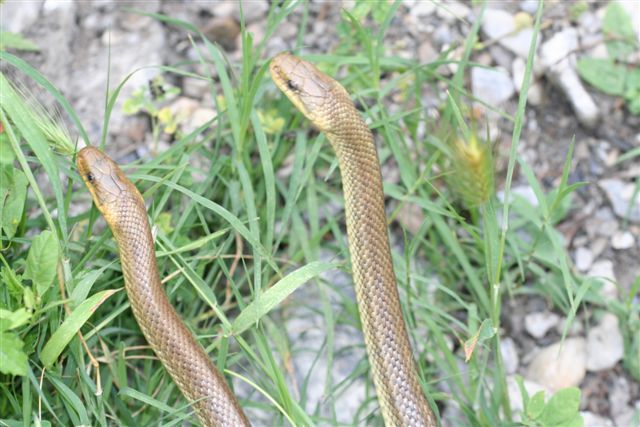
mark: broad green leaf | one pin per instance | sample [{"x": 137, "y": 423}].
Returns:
[
  {"x": 603, "y": 74},
  {"x": 13, "y": 360},
  {"x": 536, "y": 405},
  {"x": 278, "y": 292},
  {"x": 12, "y": 198},
  {"x": 576, "y": 421},
  {"x": 42, "y": 261},
  {"x": 12, "y": 319},
  {"x": 71, "y": 325},
  {"x": 562, "y": 407},
  {"x": 6, "y": 152},
  {"x": 617, "y": 25}
]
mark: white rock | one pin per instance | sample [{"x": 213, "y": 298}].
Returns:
[
  {"x": 422, "y": 8},
  {"x": 560, "y": 365},
  {"x": 509, "y": 355},
  {"x": 538, "y": 324},
  {"x": 583, "y": 259},
  {"x": 565, "y": 77},
  {"x": 199, "y": 117},
  {"x": 500, "y": 25},
  {"x": 558, "y": 47},
  {"x": 604, "y": 270},
  {"x": 18, "y": 16},
  {"x": 605, "y": 346},
  {"x": 521, "y": 191},
  {"x": 622, "y": 240},
  {"x": 619, "y": 194},
  {"x": 253, "y": 10},
  {"x": 493, "y": 86},
  {"x": 592, "y": 420},
  {"x": 529, "y": 6},
  {"x": 452, "y": 10}
]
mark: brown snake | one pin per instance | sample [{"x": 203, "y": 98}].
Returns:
[
  {"x": 123, "y": 208},
  {"x": 328, "y": 105}
]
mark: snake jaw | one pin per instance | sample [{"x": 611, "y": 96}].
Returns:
[{"x": 305, "y": 86}]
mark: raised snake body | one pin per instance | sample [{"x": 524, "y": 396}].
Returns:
[
  {"x": 327, "y": 104},
  {"x": 123, "y": 208}
]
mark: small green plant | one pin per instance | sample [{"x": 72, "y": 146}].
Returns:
[
  {"x": 16, "y": 42},
  {"x": 151, "y": 99},
  {"x": 614, "y": 75},
  {"x": 561, "y": 410}
]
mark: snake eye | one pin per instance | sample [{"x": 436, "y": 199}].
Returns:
[
  {"x": 291, "y": 85},
  {"x": 90, "y": 177}
]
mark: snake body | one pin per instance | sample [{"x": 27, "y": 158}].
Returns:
[
  {"x": 123, "y": 208},
  {"x": 328, "y": 106}
]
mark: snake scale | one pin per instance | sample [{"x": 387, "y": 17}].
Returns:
[{"x": 328, "y": 106}]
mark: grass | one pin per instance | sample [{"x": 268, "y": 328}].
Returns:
[{"x": 236, "y": 238}]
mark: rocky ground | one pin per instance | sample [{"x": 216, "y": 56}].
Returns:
[{"x": 602, "y": 230}]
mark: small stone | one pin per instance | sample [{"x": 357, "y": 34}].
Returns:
[
  {"x": 605, "y": 346},
  {"x": 411, "y": 217},
  {"x": 253, "y": 11},
  {"x": 18, "y": 16},
  {"x": 501, "y": 25},
  {"x": 183, "y": 106},
  {"x": 194, "y": 87},
  {"x": 583, "y": 259},
  {"x": 566, "y": 78},
  {"x": 558, "y": 47},
  {"x": 198, "y": 118},
  {"x": 592, "y": 420},
  {"x": 560, "y": 365},
  {"x": 223, "y": 30},
  {"x": 452, "y": 10},
  {"x": 537, "y": 324},
  {"x": 523, "y": 192},
  {"x": 529, "y": 6},
  {"x": 509, "y": 355},
  {"x": 604, "y": 270},
  {"x": 619, "y": 194},
  {"x": 622, "y": 240},
  {"x": 422, "y": 8},
  {"x": 493, "y": 86}
]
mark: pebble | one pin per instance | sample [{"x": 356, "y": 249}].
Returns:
[
  {"x": 619, "y": 194},
  {"x": 622, "y": 240},
  {"x": 493, "y": 86},
  {"x": 583, "y": 259},
  {"x": 451, "y": 10},
  {"x": 603, "y": 269},
  {"x": 411, "y": 217},
  {"x": 422, "y": 8},
  {"x": 253, "y": 10},
  {"x": 223, "y": 30},
  {"x": 199, "y": 117},
  {"x": 539, "y": 323},
  {"x": 17, "y": 17},
  {"x": 498, "y": 23},
  {"x": 557, "y": 57},
  {"x": 560, "y": 365},
  {"x": 509, "y": 355},
  {"x": 529, "y": 6},
  {"x": 521, "y": 191},
  {"x": 193, "y": 87},
  {"x": 605, "y": 346}
]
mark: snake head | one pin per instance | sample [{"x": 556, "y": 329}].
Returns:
[
  {"x": 309, "y": 89},
  {"x": 104, "y": 179}
]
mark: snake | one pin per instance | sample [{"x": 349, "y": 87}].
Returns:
[
  {"x": 124, "y": 211},
  {"x": 328, "y": 106}
]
